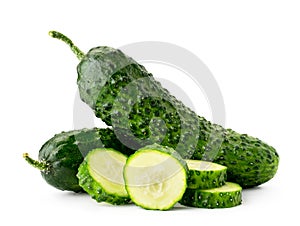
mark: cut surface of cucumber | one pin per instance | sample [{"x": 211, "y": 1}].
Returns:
[
  {"x": 229, "y": 195},
  {"x": 205, "y": 175},
  {"x": 155, "y": 177},
  {"x": 101, "y": 176}
]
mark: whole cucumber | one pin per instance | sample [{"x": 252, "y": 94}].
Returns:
[
  {"x": 60, "y": 157},
  {"x": 127, "y": 97}
]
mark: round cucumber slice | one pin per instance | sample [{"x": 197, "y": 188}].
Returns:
[
  {"x": 101, "y": 176},
  {"x": 155, "y": 177},
  {"x": 229, "y": 195},
  {"x": 204, "y": 175}
]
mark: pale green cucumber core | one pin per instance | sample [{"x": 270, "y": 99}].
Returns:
[
  {"x": 106, "y": 167},
  {"x": 154, "y": 179},
  {"x": 227, "y": 187},
  {"x": 204, "y": 165}
]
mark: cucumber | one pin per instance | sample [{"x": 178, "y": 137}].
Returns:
[
  {"x": 101, "y": 176},
  {"x": 60, "y": 157},
  {"x": 141, "y": 112},
  {"x": 229, "y": 195},
  {"x": 205, "y": 175},
  {"x": 155, "y": 177}
]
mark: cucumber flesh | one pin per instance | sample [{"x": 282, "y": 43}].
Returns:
[
  {"x": 229, "y": 195},
  {"x": 155, "y": 177},
  {"x": 205, "y": 175},
  {"x": 101, "y": 176}
]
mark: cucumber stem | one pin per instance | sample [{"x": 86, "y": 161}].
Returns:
[
  {"x": 65, "y": 39},
  {"x": 42, "y": 166}
]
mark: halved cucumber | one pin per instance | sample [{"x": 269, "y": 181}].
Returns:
[
  {"x": 228, "y": 195},
  {"x": 101, "y": 176},
  {"x": 204, "y": 175},
  {"x": 155, "y": 177}
]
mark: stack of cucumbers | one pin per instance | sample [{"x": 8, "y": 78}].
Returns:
[{"x": 156, "y": 152}]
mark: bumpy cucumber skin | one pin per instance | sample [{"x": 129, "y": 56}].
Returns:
[
  {"x": 104, "y": 76},
  {"x": 93, "y": 188},
  {"x": 250, "y": 162},
  {"x": 65, "y": 152},
  {"x": 206, "y": 199},
  {"x": 166, "y": 150},
  {"x": 206, "y": 179}
]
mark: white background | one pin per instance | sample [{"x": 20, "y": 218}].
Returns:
[{"x": 251, "y": 47}]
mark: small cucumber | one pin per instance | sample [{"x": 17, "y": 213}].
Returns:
[
  {"x": 229, "y": 195},
  {"x": 155, "y": 177},
  {"x": 101, "y": 176},
  {"x": 205, "y": 175},
  {"x": 60, "y": 157}
]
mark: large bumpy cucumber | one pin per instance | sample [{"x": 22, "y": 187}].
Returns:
[
  {"x": 101, "y": 176},
  {"x": 60, "y": 157},
  {"x": 155, "y": 177},
  {"x": 125, "y": 96}
]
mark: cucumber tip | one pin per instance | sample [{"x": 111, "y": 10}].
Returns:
[{"x": 51, "y": 33}]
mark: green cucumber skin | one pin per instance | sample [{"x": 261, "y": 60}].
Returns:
[
  {"x": 249, "y": 161},
  {"x": 206, "y": 180},
  {"x": 202, "y": 199},
  {"x": 93, "y": 188},
  {"x": 65, "y": 152},
  {"x": 104, "y": 72}
]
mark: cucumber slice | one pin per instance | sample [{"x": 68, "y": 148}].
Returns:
[
  {"x": 228, "y": 195},
  {"x": 205, "y": 175},
  {"x": 155, "y": 177},
  {"x": 101, "y": 176}
]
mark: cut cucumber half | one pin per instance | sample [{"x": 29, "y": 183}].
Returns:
[
  {"x": 205, "y": 175},
  {"x": 229, "y": 195},
  {"x": 155, "y": 177},
  {"x": 101, "y": 176}
]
